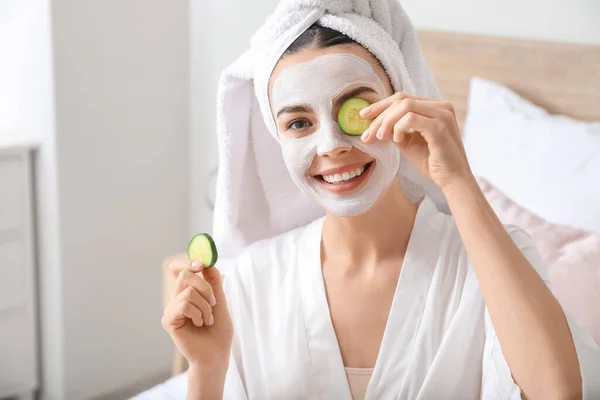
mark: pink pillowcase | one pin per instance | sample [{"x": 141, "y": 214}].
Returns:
[{"x": 572, "y": 257}]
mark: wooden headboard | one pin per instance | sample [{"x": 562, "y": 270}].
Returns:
[{"x": 561, "y": 77}]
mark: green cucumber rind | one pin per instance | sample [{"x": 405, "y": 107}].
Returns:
[{"x": 213, "y": 249}]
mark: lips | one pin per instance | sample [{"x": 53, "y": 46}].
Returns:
[
  {"x": 350, "y": 179},
  {"x": 344, "y": 177}
]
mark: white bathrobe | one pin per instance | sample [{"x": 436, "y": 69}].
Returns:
[{"x": 439, "y": 342}]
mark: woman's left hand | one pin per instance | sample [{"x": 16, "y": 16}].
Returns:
[{"x": 426, "y": 132}]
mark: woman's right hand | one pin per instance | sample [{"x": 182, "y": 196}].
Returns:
[{"x": 197, "y": 318}]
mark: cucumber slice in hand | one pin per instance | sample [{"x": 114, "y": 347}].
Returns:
[
  {"x": 202, "y": 248},
  {"x": 349, "y": 118}
]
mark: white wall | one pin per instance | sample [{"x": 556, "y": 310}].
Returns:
[
  {"x": 218, "y": 40},
  {"x": 122, "y": 130},
  {"x": 27, "y": 114},
  {"x": 23, "y": 60},
  {"x": 16, "y": 30}
]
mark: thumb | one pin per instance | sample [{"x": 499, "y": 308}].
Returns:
[{"x": 416, "y": 150}]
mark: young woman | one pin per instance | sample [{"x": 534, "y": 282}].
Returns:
[{"x": 384, "y": 297}]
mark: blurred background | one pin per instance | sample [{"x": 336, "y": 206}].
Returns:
[{"x": 107, "y": 125}]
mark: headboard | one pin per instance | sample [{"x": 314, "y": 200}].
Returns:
[{"x": 563, "y": 78}]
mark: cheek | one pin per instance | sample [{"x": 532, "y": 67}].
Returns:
[
  {"x": 298, "y": 154},
  {"x": 386, "y": 153},
  {"x": 314, "y": 166}
]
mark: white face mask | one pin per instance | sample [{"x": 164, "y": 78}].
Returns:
[{"x": 316, "y": 83}]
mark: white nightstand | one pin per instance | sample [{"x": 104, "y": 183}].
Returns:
[{"x": 18, "y": 307}]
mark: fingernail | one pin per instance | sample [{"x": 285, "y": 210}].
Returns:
[
  {"x": 211, "y": 320},
  {"x": 364, "y": 135},
  {"x": 196, "y": 265},
  {"x": 213, "y": 301},
  {"x": 365, "y": 111},
  {"x": 379, "y": 134}
]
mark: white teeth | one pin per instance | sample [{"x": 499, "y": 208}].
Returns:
[{"x": 341, "y": 178}]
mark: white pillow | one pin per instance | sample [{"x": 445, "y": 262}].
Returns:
[{"x": 549, "y": 164}]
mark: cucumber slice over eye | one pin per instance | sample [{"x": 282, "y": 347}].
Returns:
[
  {"x": 202, "y": 248},
  {"x": 349, "y": 118}
]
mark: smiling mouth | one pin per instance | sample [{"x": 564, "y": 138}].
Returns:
[{"x": 346, "y": 177}]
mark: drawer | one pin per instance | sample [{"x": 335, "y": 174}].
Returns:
[
  {"x": 17, "y": 349},
  {"x": 12, "y": 191},
  {"x": 15, "y": 289}
]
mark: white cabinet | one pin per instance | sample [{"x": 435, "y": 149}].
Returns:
[{"x": 18, "y": 307}]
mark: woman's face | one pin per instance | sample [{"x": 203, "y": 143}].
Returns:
[{"x": 306, "y": 92}]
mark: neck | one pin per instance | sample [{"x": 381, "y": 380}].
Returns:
[{"x": 376, "y": 235}]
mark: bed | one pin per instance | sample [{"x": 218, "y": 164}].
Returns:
[{"x": 561, "y": 77}]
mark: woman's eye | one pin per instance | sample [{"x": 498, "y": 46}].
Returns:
[{"x": 298, "y": 124}]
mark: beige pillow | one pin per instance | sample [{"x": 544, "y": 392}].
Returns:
[{"x": 572, "y": 257}]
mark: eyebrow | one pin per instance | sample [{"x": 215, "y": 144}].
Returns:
[
  {"x": 354, "y": 93},
  {"x": 294, "y": 109}
]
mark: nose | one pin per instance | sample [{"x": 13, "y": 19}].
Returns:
[
  {"x": 336, "y": 152},
  {"x": 333, "y": 142}
]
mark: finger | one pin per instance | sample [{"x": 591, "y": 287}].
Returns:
[
  {"x": 378, "y": 107},
  {"x": 178, "y": 265},
  {"x": 425, "y": 126},
  {"x": 401, "y": 108},
  {"x": 368, "y": 136},
  {"x": 214, "y": 278},
  {"x": 180, "y": 283},
  {"x": 399, "y": 134},
  {"x": 431, "y": 109},
  {"x": 374, "y": 129},
  {"x": 388, "y": 119},
  {"x": 192, "y": 312},
  {"x": 188, "y": 278},
  {"x": 382, "y": 126},
  {"x": 175, "y": 316},
  {"x": 192, "y": 296}
]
